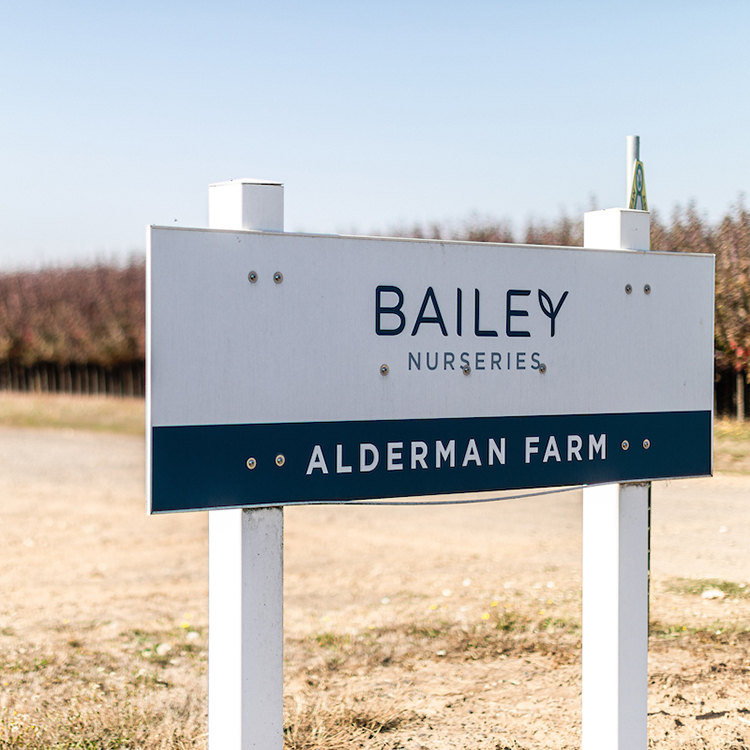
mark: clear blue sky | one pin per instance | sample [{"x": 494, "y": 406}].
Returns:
[{"x": 115, "y": 115}]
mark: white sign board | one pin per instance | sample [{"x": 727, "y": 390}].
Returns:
[{"x": 290, "y": 367}]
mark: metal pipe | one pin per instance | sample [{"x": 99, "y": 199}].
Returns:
[{"x": 632, "y": 155}]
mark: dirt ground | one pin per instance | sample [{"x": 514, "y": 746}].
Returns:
[{"x": 405, "y": 627}]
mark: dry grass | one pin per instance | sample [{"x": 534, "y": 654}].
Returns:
[
  {"x": 696, "y": 587},
  {"x": 86, "y": 687},
  {"x": 318, "y": 721},
  {"x": 498, "y": 633},
  {"x": 699, "y": 686},
  {"x": 60, "y": 700},
  {"x": 94, "y": 686},
  {"x": 93, "y": 413},
  {"x": 732, "y": 446},
  {"x": 361, "y": 689}
]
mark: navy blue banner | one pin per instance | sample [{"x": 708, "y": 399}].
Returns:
[{"x": 222, "y": 466}]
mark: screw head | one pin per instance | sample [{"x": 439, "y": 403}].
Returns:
[
  {"x": 280, "y": 460},
  {"x": 542, "y": 368},
  {"x": 278, "y": 277},
  {"x": 466, "y": 369},
  {"x": 646, "y": 443},
  {"x": 384, "y": 369},
  {"x": 624, "y": 445},
  {"x": 252, "y": 277},
  {"x": 647, "y": 289},
  {"x": 251, "y": 463},
  {"x": 628, "y": 288}
]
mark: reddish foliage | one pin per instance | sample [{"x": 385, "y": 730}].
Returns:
[
  {"x": 96, "y": 315},
  {"x": 91, "y": 315}
]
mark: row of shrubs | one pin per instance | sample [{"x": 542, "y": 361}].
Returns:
[
  {"x": 82, "y": 316},
  {"x": 58, "y": 323}
]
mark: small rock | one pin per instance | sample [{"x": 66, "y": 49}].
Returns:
[
  {"x": 163, "y": 649},
  {"x": 713, "y": 594}
]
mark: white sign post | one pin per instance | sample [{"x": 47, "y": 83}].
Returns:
[
  {"x": 246, "y": 560},
  {"x": 615, "y": 565}
]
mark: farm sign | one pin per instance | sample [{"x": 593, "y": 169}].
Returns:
[{"x": 295, "y": 368}]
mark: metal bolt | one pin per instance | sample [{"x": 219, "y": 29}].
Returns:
[
  {"x": 466, "y": 369},
  {"x": 252, "y": 277},
  {"x": 251, "y": 463},
  {"x": 542, "y": 368},
  {"x": 647, "y": 289},
  {"x": 280, "y": 460},
  {"x": 628, "y": 288},
  {"x": 646, "y": 443},
  {"x": 278, "y": 277},
  {"x": 383, "y": 369},
  {"x": 625, "y": 445}
]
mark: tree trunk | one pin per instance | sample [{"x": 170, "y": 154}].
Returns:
[{"x": 741, "y": 396}]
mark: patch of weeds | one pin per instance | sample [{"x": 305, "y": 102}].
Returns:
[
  {"x": 430, "y": 630},
  {"x": 332, "y": 640},
  {"x": 58, "y": 696},
  {"x": 24, "y": 661},
  {"x": 148, "y": 679},
  {"x": 144, "y": 678},
  {"x": 334, "y": 663},
  {"x": 559, "y": 624},
  {"x": 722, "y": 634},
  {"x": 377, "y": 714},
  {"x": 659, "y": 629},
  {"x": 696, "y": 586},
  {"x": 509, "y": 633},
  {"x": 509, "y": 622},
  {"x": 162, "y": 647},
  {"x": 716, "y": 633}
]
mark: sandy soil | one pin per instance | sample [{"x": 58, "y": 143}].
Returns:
[{"x": 77, "y": 552}]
